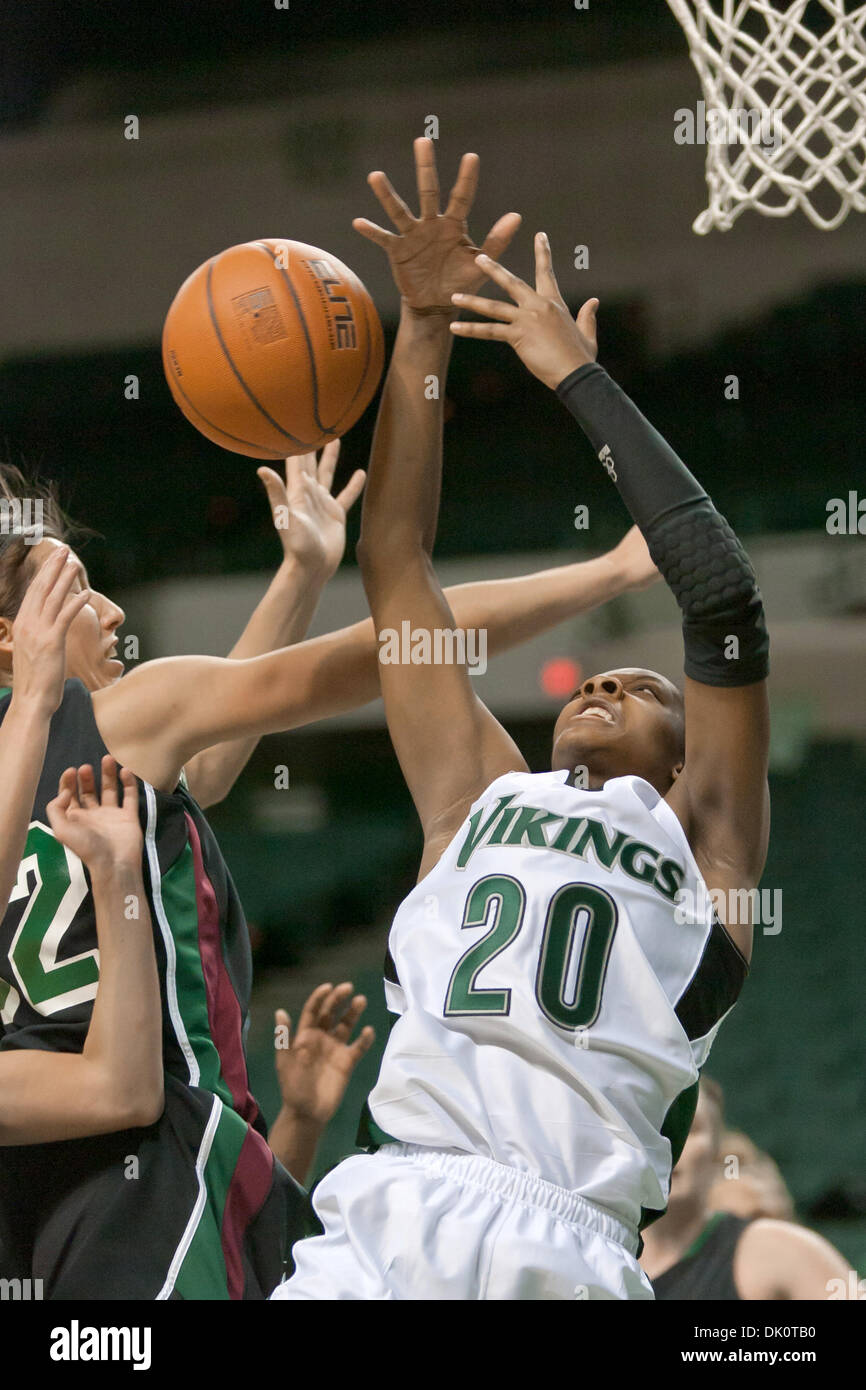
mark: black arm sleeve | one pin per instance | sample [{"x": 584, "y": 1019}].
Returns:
[{"x": 696, "y": 551}]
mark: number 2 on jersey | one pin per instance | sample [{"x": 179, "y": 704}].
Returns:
[
  {"x": 570, "y": 998},
  {"x": 59, "y": 888}
]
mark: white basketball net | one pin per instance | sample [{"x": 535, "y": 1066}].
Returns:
[{"x": 785, "y": 117}]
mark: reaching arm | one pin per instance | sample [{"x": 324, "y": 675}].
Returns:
[
  {"x": 214, "y": 699},
  {"x": 311, "y": 525},
  {"x": 448, "y": 744},
  {"x": 721, "y": 795},
  {"x": 313, "y": 1069},
  {"x": 116, "y": 1083}
]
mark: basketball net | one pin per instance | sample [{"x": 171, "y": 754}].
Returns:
[{"x": 785, "y": 119}]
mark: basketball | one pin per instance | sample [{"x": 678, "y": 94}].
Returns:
[{"x": 272, "y": 348}]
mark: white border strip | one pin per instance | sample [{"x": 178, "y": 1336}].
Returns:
[
  {"x": 182, "y": 1250},
  {"x": 168, "y": 939}
]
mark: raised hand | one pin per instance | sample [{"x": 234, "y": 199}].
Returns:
[
  {"x": 633, "y": 561},
  {"x": 40, "y": 627},
  {"x": 538, "y": 324},
  {"x": 104, "y": 833},
  {"x": 315, "y": 535},
  {"x": 314, "y": 1068},
  {"x": 433, "y": 256}
]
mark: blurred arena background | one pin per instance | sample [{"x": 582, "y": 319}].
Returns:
[{"x": 258, "y": 121}]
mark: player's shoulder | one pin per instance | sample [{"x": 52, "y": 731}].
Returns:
[
  {"x": 770, "y": 1251},
  {"x": 772, "y": 1237}
]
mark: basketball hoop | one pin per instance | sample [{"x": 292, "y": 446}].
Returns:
[{"x": 785, "y": 83}]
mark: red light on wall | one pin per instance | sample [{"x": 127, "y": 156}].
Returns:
[{"x": 559, "y": 677}]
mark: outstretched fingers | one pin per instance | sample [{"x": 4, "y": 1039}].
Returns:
[
  {"x": 501, "y": 235},
  {"x": 545, "y": 279},
  {"x": 334, "y": 1007},
  {"x": 310, "y": 1012},
  {"x": 46, "y": 577},
  {"x": 87, "y": 787},
  {"x": 500, "y": 311},
  {"x": 518, "y": 289},
  {"x": 72, "y": 608},
  {"x": 130, "y": 793},
  {"x": 587, "y": 321},
  {"x": 373, "y": 233},
  {"x": 60, "y": 582},
  {"x": 344, "y": 1028},
  {"x": 352, "y": 491},
  {"x": 427, "y": 177},
  {"x": 391, "y": 201},
  {"x": 109, "y": 781},
  {"x": 328, "y": 463},
  {"x": 491, "y": 308},
  {"x": 494, "y": 332},
  {"x": 465, "y": 187},
  {"x": 67, "y": 789},
  {"x": 362, "y": 1044}
]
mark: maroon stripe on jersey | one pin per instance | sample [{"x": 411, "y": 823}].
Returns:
[
  {"x": 223, "y": 1008},
  {"x": 248, "y": 1190}
]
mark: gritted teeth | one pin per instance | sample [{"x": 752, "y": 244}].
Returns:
[{"x": 596, "y": 712}]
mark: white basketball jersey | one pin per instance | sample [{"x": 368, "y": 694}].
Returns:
[{"x": 554, "y": 1010}]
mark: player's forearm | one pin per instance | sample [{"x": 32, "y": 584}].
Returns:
[
  {"x": 49, "y": 1096},
  {"x": 285, "y": 612},
  {"x": 23, "y": 740},
  {"x": 339, "y": 672},
  {"x": 117, "y": 1081},
  {"x": 513, "y": 611},
  {"x": 281, "y": 618},
  {"x": 695, "y": 549},
  {"x": 401, "y": 502},
  {"x": 124, "y": 1040},
  {"x": 294, "y": 1139},
  {"x": 326, "y": 676}
]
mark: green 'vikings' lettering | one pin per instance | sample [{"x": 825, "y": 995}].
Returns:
[
  {"x": 669, "y": 878},
  {"x": 605, "y": 850},
  {"x": 476, "y": 834},
  {"x": 528, "y": 825},
  {"x": 524, "y": 826},
  {"x": 498, "y": 833},
  {"x": 569, "y": 829},
  {"x": 628, "y": 858}
]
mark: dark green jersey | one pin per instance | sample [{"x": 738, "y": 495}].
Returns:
[{"x": 49, "y": 967}]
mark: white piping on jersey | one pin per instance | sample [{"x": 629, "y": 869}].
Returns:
[
  {"x": 186, "y": 1239},
  {"x": 168, "y": 940}
]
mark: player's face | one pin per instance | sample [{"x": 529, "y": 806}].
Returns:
[
  {"x": 622, "y": 722},
  {"x": 91, "y": 643}
]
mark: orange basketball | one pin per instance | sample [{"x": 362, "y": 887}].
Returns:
[{"x": 272, "y": 348}]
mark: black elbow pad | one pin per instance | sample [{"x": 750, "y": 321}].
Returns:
[{"x": 724, "y": 632}]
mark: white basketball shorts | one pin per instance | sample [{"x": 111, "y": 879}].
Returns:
[{"x": 416, "y": 1223}]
